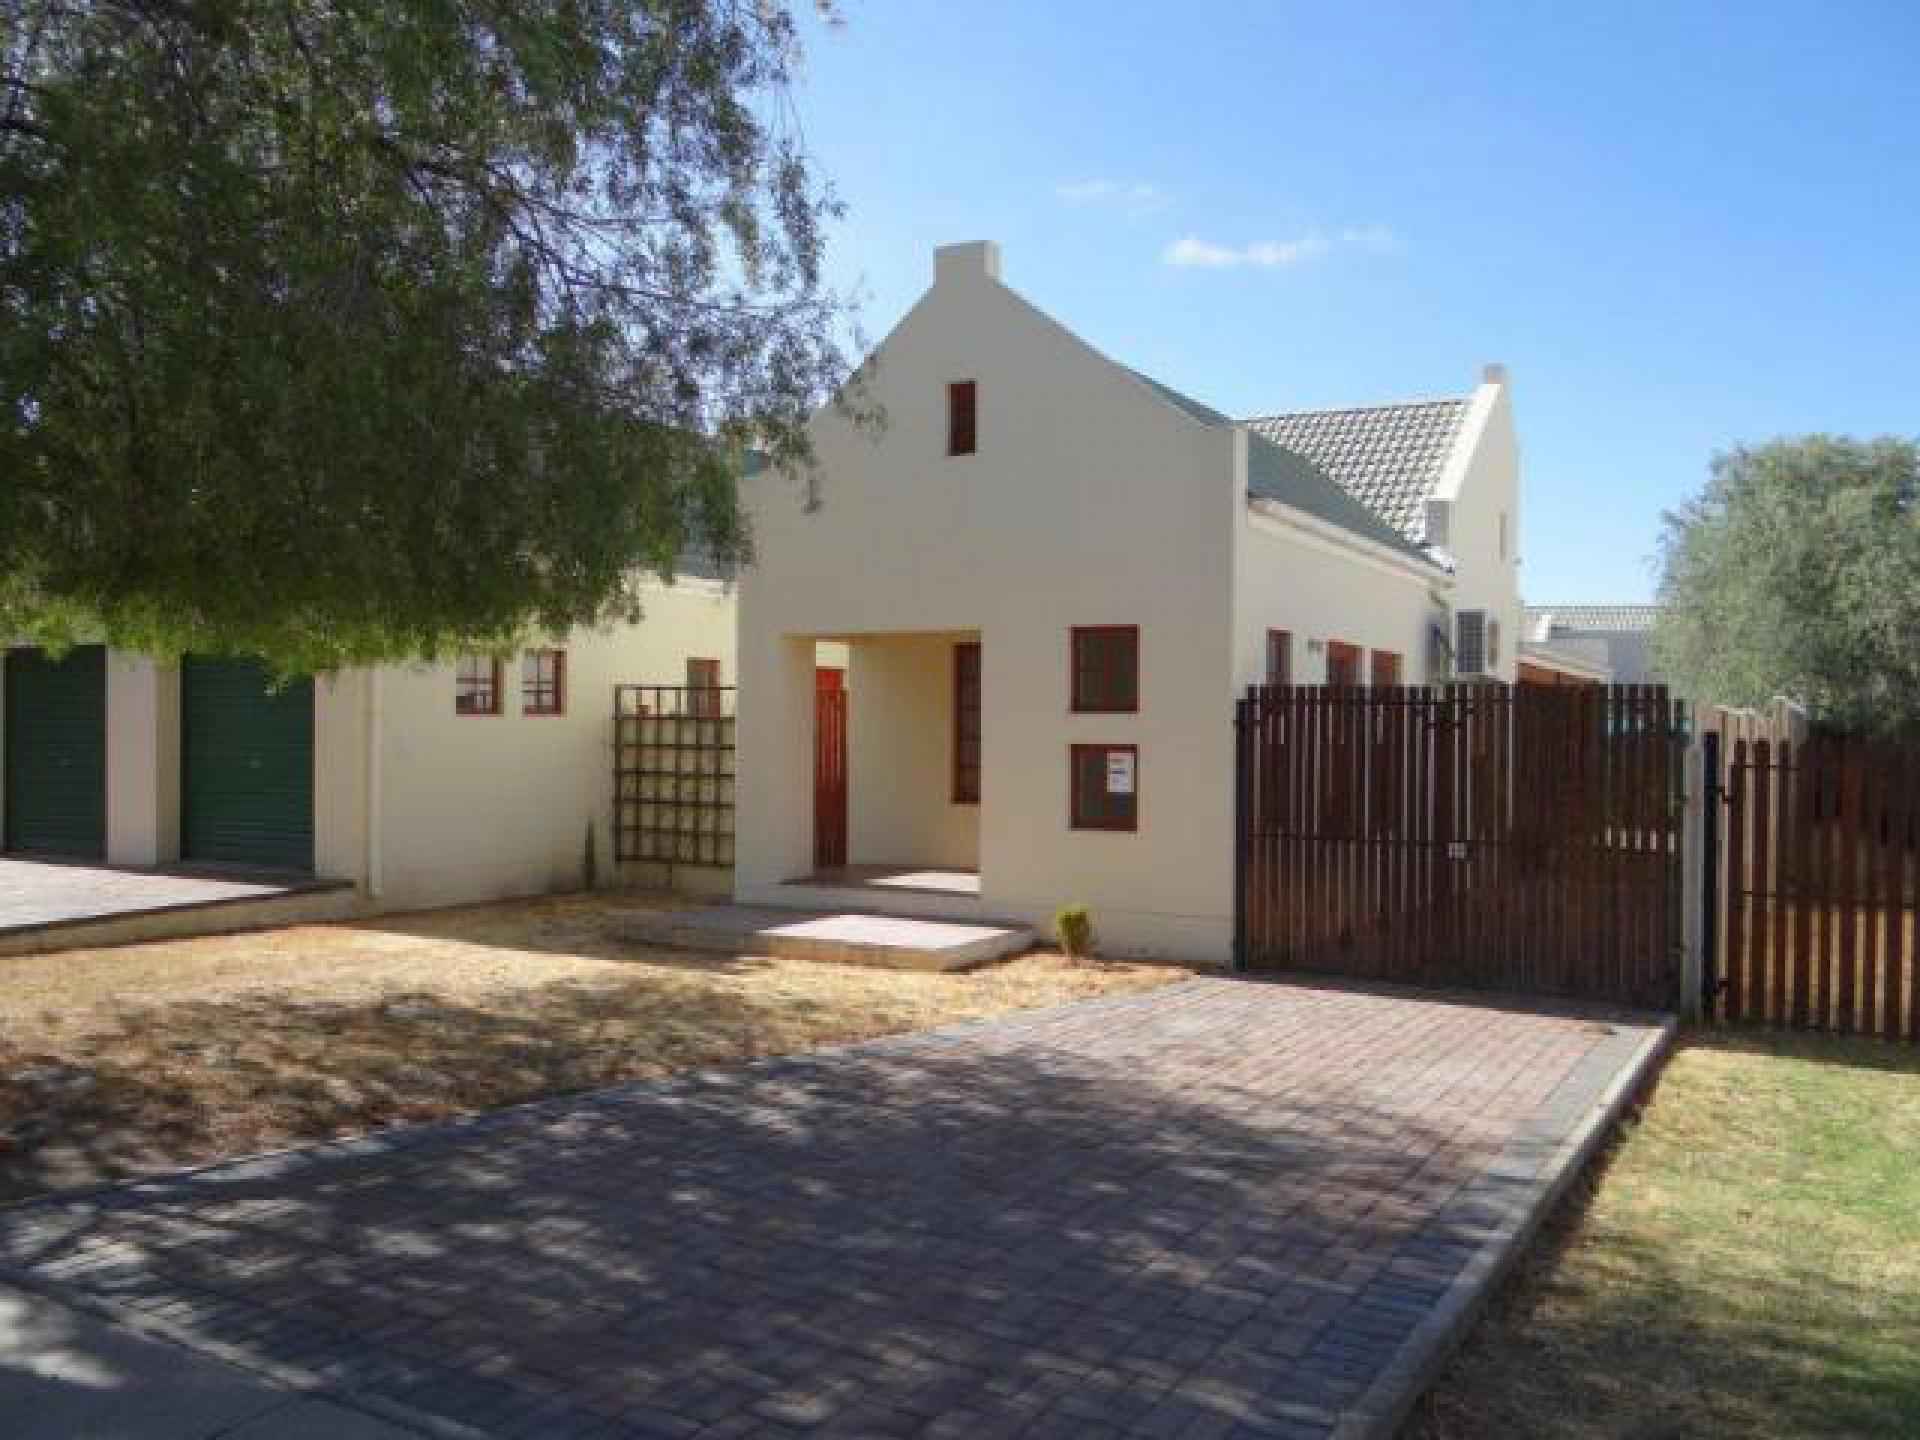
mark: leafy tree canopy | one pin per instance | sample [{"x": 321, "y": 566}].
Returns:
[
  {"x": 347, "y": 330},
  {"x": 1797, "y": 573}
]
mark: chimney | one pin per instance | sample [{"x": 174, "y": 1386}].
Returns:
[
  {"x": 1493, "y": 373},
  {"x": 973, "y": 259}
]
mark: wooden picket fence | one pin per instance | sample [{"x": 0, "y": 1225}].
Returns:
[
  {"x": 1818, "y": 881},
  {"x": 1518, "y": 838}
]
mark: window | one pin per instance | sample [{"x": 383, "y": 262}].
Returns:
[
  {"x": 1279, "y": 657},
  {"x": 1106, "y": 669},
  {"x": 963, "y": 417},
  {"x": 966, "y": 723},
  {"x": 1386, "y": 668},
  {"x": 476, "y": 685},
  {"x": 1105, "y": 787},
  {"x": 1343, "y": 663},
  {"x": 1503, "y": 534},
  {"x": 543, "y": 682},
  {"x": 703, "y": 686}
]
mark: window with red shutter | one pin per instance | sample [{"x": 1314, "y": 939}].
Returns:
[
  {"x": 1106, "y": 669},
  {"x": 966, "y": 723},
  {"x": 963, "y": 417}
]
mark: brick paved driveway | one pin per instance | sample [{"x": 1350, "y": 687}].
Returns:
[{"x": 1217, "y": 1209}]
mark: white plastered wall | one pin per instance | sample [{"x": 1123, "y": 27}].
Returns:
[
  {"x": 900, "y": 806},
  {"x": 1318, "y": 589},
  {"x": 1091, "y": 501},
  {"x": 474, "y": 807},
  {"x": 1479, "y": 485},
  {"x": 143, "y": 760}
]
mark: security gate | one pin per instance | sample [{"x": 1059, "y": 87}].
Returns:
[{"x": 1520, "y": 838}]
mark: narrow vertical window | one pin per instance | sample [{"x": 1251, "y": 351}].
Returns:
[
  {"x": 543, "y": 682},
  {"x": 476, "y": 685},
  {"x": 1279, "y": 657},
  {"x": 1386, "y": 668},
  {"x": 1106, "y": 669},
  {"x": 966, "y": 723},
  {"x": 703, "y": 686},
  {"x": 963, "y": 416}
]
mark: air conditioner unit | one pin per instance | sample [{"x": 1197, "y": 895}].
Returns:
[{"x": 1476, "y": 645}]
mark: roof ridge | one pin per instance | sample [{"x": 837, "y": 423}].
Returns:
[
  {"x": 1594, "y": 605},
  {"x": 1421, "y": 404}
]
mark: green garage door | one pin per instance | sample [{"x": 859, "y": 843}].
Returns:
[
  {"x": 246, "y": 766},
  {"x": 55, "y": 793}
]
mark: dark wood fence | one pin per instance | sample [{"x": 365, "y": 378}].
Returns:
[
  {"x": 1819, "y": 878},
  {"x": 673, "y": 748},
  {"x": 1520, "y": 838}
]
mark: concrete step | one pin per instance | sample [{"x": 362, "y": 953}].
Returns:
[{"x": 844, "y": 936}]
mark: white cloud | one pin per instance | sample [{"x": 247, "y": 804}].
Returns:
[
  {"x": 1126, "y": 197},
  {"x": 1190, "y": 252}
]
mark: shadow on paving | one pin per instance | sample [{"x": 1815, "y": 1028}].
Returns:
[
  {"x": 189, "y": 1081},
  {"x": 943, "y": 1234}
]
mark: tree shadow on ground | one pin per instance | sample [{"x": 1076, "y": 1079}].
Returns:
[
  {"x": 584, "y": 925},
  {"x": 1155, "y": 1225},
  {"x": 173, "y": 1084}
]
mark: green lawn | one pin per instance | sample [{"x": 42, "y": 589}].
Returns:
[{"x": 1746, "y": 1264}]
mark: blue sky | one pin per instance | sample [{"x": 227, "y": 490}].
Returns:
[{"x": 1680, "y": 227}]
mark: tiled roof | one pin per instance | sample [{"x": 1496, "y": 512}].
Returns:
[
  {"x": 1275, "y": 472},
  {"x": 1552, "y": 619},
  {"x": 1388, "y": 457}
]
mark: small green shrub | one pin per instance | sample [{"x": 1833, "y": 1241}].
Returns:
[{"x": 1073, "y": 928}]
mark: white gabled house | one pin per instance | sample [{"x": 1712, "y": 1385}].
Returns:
[{"x": 1052, "y": 576}]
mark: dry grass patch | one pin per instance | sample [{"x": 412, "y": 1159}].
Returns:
[
  {"x": 1747, "y": 1264},
  {"x": 154, "y": 1056}
]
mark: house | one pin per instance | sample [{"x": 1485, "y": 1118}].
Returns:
[
  {"x": 1052, "y": 576},
  {"x": 420, "y": 784},
  {"x": 1612, "y": 642}
]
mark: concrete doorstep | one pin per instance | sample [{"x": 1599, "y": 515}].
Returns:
[{"x": 846, "y": 937}]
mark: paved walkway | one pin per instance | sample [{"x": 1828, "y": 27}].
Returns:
[{"x": 1226, "y": 1208}]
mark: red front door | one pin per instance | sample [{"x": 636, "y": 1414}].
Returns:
[{"x": 829, "y": 768}]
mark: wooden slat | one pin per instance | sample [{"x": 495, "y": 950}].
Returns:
[
  {"x": 1805, "y": 781},
  {"x": 1760, "y": 881},
  {"x": 1740, "y": 784},
  {"x": 1844, "y": 903},
  {"x": 1907, "y": 887},
  {"x": 1875, "y": 767},
  {"x": 1780, "y": 955},
  {"x": 1897, "y": 961}
]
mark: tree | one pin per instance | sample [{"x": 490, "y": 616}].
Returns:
[
  {"x": 1797, "y": 572},
  {"x": 342, "y": 331}
]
